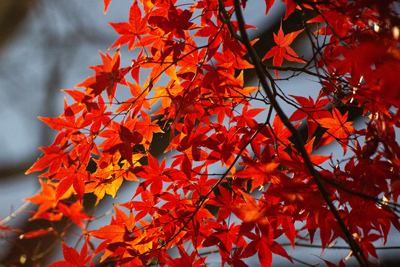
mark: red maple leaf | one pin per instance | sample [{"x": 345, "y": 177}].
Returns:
[
  {"x": 72, "y": 176},
  {"x": 155, "y": 174},
  {"x": 311, "y": 110},
  {"x": 107, "y": 76},
  {"x": 121, "y": 138},
  {"x": 147, "y": 128},
  {"x": 136, "y": 27},
  {"x": 121, "y": 229},
  {"x": 338, "y": 128},
  {"x": 265, "y": 246},
  {"x": 53, "y": 158},
  {"x": 282, "y": 49},
  {"x": 173, "y": 20},
  {"x": 74, "y": 213},
  {"x": 72, "y": 257},
  {"x": 98, "y": 117},
  {"x": 224, "y": 236},
  {"x": 253, "y": 213},
  {"x": 81, "y": 98},
  {"x": 260, "y": 172},
  {"x": 137, "y": 101},
  {"x": 146, "y": 206},
  {"x": 185, "y": 260}
]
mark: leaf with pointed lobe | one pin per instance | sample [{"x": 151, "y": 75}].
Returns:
[
  {"x": 53, "y": 158},
  {"x": 228, "y": 60},
  {"x": 224, "y": 201},
  {"x": 136, "y": 27},
  {"x": 339, "y": 22},
  {"x": 107, "y": 77},
  {"x": 296, "y": 164},
  {"x": 74, "y": 213},
  {"x": 210, "y": 30},
  {"x": 281, "y": 133},
  {"x": 310, "y": 110},
  {"x": 173, "y": 201},
  {"x": 247, "y": 116},
  {"x": 122, "y": 218},
  {"x": 224, "y": 237},
  {"x": 269, "y": 4},
  {"x": 72, "y": 176},
  {"x": 106, "y": 3},
  {"x": 282, "y": 49},
  {"x": 60, "y": 124},
  {"x": 308, "y": 107},
  {"x": 120, "y": 138},
  {"x": 46, "y": 199},
  {"x": 113, "y": 233},
  {"x": 138, "y": 101},
  {"x": 145, "y": 207},
  {"x": 252, "y": 213},
  {"x": 338, "y": 128},
  {"x": 155, "y": 174},
  {"x": 186, "y": 260},
  {"x": 147, "y": 128},
  {"x": 102, "y": 187},
  {"x": 259, "y": 173},
  {"x": 98, "y": 117},
  {"x": 321, "y": 218},
  {"x": 8, "y": 228},
  {"x": 82, "y": 98},
  {"x": 158, "y": 66},
  {"x": 72, "y": 257},
  {"x": 174, "y": 21},
  {"x": 290, "y": 7},
  {"x": 264, "y": 253}
]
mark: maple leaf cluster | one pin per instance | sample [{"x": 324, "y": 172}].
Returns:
[{"x": 270, "y": 179}]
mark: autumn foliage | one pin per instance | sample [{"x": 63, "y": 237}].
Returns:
[{"x": 269, "y": 176}]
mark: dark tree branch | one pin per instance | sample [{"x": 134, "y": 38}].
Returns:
[{"x": 357, "y": 251}]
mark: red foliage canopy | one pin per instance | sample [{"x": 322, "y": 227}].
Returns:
[{"x": 206, "y": 113}]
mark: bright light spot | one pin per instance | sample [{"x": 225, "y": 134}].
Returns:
[{"x": 396, "y": 32}]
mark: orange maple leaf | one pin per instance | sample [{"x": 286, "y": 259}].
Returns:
[
  {"x": 46, "y": 199},
  {"x": 103, "y": 186}
]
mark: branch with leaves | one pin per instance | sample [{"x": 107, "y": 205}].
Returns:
[{"x": 198, "y": 96}]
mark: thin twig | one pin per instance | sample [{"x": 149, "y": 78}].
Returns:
[{"x": 19, "y": 210}]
